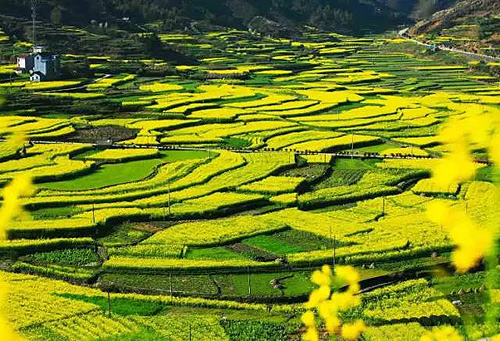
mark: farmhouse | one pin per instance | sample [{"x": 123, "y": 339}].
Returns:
[{"x": 40, "y": 65}]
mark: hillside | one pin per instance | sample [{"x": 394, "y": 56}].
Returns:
[
  {"x": 342, "y": 16},
  {"x": 471, "y": 25}
]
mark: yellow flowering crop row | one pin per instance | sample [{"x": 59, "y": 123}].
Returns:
[
  {"x": 422, "y": 141},
  {"x": 10, "y": 147},
  {"x": 405, "y": 151},
  {"x": 78, "y": 95},
  {"x": 284, "y": 199},
  {"x": 257, "y": 166},
  {"x": 105, "y": 83},
  {"x": 284, "y": 141},
  {"x": 144, "y": 137},
  {"x": 382, "y": 123},
  {"x": 274, "y": 185},
  {"x": 93, "y": 325},
  {"x": 189, "y": 139},
  {"x": 287, "y": 106},
  {"x": 218, "y": 113},
  {"x": 187, "y": 174},
  {"x": 311, "y": 110},
  {"x": 208, "y": 93},
  {"x": 60, "y": 167},
  {"x": 94, "y": 215},
  {"x": 162, "y": 176},
  {"x": 45, "y": 85},
  {"x": 158, "y": 87},
  {"x": 51, "y": 307},
  {"x": 342, "y": 194},
  {"x": 181, "y": 327},
  {"x": 60, "y": 132},
  {"x": 241, "y": 128},
  {"x": 30, "y": 125},
  {"x": 397, "y": 331},
  {"x": 342, "y": 142},
  {"x": 317, "y": 158},
  {"x": 44, "y": 306},
  {"x": 213, "y": 232},
  {"x": 122, "y": 155},
  {"x": 158, "y": 125},
  {"x": 271, "y": 99},
  {"x": 429, "y": 186},
  {"x": 353, "y": 114},
  {"x": 172, "y": 264},
  {"x": 408, "y": 163}
]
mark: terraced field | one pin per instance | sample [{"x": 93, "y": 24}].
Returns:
[{"x": 187, "y": 195}]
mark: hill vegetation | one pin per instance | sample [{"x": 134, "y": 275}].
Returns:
[{"x": 344, "y": 16}]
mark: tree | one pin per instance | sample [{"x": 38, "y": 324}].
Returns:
[{"x": 56, "y": 15}]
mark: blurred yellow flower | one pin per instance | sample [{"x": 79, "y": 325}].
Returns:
[
  {"x": 308, "y": 318},
  {"x": 323, "y": 277},
  {"x": 329, "y": 305},
  {"x": 494, "y": 149},
  {"x": 352, "y": 331},
  {"x": 442, "y": 334},
  {"x": 19, "y": 187},
  {"x": 458, "y": 166},
  {"x": 473, "y": 242},
  {"x": 11, "y": 208}
]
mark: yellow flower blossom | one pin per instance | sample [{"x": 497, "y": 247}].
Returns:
[
  {"x": 473, "y": 242},
  {"x": 11, "y": 208},
  {"x": 438, "y": 212},
  {"x": 308, "y": 318},
  {"x": 332, "y": 324},
  {"x": 458, "y": 166},
  {"x": 453, "y": 131},
  {"x": 20, "y": 186},
  {"x": 442, "y": 334},
  {"x": 323, "y": 277},
  {"x": 352, "y": 331},
  {"x": 494, "y": 149},
  {"x": 329, "y": 306},
  {"x": 317, "y": 296},
  {"x": 310, "y": 335},
  {"x": 345, "y": 300}
]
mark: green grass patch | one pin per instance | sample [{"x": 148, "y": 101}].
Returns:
[
  {"x": 55, "y": 212},
  {"x": 120, "y": 306},
  {"x": 235, "y": 142},
  {"x": 115, "y": 174},
  {"x": 237, "y": 284},
  {"x": 123, "y": 234},
  {"x": 77, "y": 257},
  {"x": 488, "y": 174},
  {"x": 141, "y": 334},
  {"x": 161, "y": 284},
  {"x": 341, "y": 177},
  {"x": 292, "y": 241},
  {"x": 342, "y": 163},
  {"x": 216, "y": 253},
  {"x": 311, "y": 172},
  {"x": 376, "y": 148},
  {"x": 181, "y": 155},
  {"x": 107, "y": 175},
  {"x": 255, "y": 331}
]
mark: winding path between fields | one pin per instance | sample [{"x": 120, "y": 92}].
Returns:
[
  {"x": 367, "y": 155},
  {"x": 342, "y": 154},
  {"x": 403, "y": 34},
  {"x": 79, "y": 87}
]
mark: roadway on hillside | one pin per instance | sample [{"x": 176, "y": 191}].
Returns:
[
  {"x": 403, "y": 34},
  {"x": 351, "y": 154}
]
